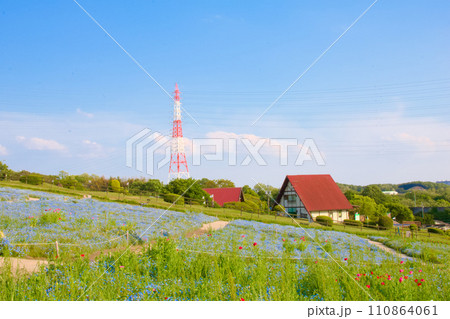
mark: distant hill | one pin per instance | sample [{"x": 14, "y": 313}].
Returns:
[{"x": 401, "y": 188}]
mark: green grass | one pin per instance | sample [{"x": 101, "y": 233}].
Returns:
[{"x": 163, "y": 273}]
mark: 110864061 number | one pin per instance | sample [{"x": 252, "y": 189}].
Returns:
[{"x": 402, "y": 310}]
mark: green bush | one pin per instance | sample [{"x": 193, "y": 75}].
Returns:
[
  {"x": 386, "y": 222},
  {"x": 413, "y": 227},
  {"x": 352, "y": 222},
  {"x": 278, "y": 208},
  {"x": 115, "y": 186},
  {"x": 240, "y": 205},
  {"x": 174, "y": 199},
  {"x": 324, "y": 220},
  {"x": 32, "y": 179},
  {"x": 371, "y": 222},
  {"x": 436, "y": 231}
]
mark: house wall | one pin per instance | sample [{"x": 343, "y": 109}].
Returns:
[
  {"x": 292, "y": 203},
  {"x": 336, "y": 215}
]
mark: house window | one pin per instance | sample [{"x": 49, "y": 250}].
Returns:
[
  {"x": 330, "y": 214},
  {"x": 291, "y": 198},
  {"x": 340, "y": 214},
  {"x": 292, "y": 211}
]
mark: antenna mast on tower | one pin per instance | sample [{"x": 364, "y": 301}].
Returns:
[{"x": 178, "y": 165}]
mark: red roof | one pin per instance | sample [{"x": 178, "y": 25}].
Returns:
[
  {"x": 225, "y": 195},
  {"x": 317, "y": 192}
]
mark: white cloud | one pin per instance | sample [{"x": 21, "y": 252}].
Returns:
[
  {"x": 92, "y": 149},
  {"x": 88, "y": 115},
  {"x": 40, "y": 144},
  {"x": 3, "y": 150},
  {"x": 419, "y": 141}
]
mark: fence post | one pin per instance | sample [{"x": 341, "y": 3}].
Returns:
[
  {"x": 57, "y": 249},
  {"x": 241, "y": 211}
]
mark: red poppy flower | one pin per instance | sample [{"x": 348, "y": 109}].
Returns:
[
  {"x": 371, "y": 272},
  {"x": 240, "y": 247},
  {"x": 419, "y": 284},
  {"x": 368, "y": 286},
  {"x": 254, "y": 244},
  {"x": 165, "y": 298},
  {"x": 82, "y": 255},
  {"x": 383, "y": 283},
  {"x": 422, "y": 279},
  {"x": 242, "y": 299},
  {"x": 345, "y": 258},
  {"x": 416, "y": 280}
]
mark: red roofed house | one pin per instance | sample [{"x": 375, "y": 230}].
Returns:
[
  {"x": 309, "y": 196},
  {"x": 225, "y": 195}
]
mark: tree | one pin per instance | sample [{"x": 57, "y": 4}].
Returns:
[
  {"x": 115, "y": 186},
  {"x": 62, "y": 175},
  {"x": 247, "y": 190},
  {"x": 375, "y": 193},
  {"x": 4, "y": 170},
  {"x": 350, "y": 194},
  {"x": 189, "y": 188},
  {"x": 223, "y": 183},
  {"x": 207, "y": 183},
  {"x": 152, "y": 186},
  {"x": 367, "y": 206},
  {"x": 400, "y": 212}
]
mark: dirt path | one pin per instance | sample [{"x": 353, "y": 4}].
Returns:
[
  {"x": 219, "y": 224},
  {"x": 21, "y": 264},
  {"x": 390, "y": 250}
]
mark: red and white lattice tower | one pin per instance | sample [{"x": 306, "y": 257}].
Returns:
[{"x": 178, "y": 165}]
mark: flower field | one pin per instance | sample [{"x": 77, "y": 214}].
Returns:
[
  {"x": 83, "y": 224},
  {"x": 244, "y": 261},
  {"x": 434, "y": 252}
]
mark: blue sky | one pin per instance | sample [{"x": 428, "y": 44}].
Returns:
[{"x": 376, "y": 104}]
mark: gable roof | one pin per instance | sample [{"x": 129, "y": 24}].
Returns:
[
  {"x": 225, "y": 195},
  {"x": 317, "y": 192}
]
